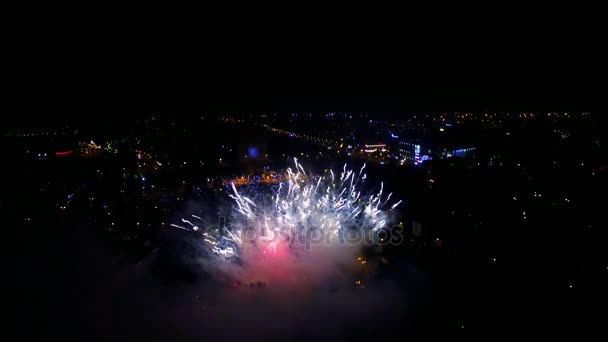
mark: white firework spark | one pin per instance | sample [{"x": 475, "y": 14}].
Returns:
[{"x": 299, "y": 205}]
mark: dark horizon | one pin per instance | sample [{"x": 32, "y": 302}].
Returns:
[{"x": 87, "y": 107}]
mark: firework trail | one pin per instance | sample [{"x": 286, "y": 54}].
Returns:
[{"x": 304, "y": 203}]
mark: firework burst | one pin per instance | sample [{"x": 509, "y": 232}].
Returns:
[{"x": 301, "y": 208}]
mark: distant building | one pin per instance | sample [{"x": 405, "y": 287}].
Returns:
[
  {"x": 375, "y": 152},
  {"x": 468, "y": 152},
  {"x": 409, "y": 152}
]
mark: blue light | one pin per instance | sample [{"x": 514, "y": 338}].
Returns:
[
  {"x": 394, "y": 136},
  {"x": 143, "y": 178},
  {"x": 253, "y": 152},
  {"x": 416, "y": 154}
]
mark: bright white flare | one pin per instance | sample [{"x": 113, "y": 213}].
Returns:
[{"x": 302, "y": 203}]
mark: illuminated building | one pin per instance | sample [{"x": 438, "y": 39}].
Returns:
[
  {"x": 461, "y": 152},
  {"x": 375, "y": 152},
  {"x": 375, "y": 148},
  {"x": 417, "y": 155},
  {"x": 407, "y": 152}
]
